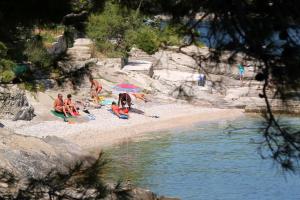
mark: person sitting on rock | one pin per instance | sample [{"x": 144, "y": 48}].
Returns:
[
  {"x": 95, "y": 86},
  {"x": 59, "y": 105},
  {"x": 119, "y": 111},
  {"x": 124, "y": 99},
  {"x": 140, "y": 96},
  {"x": 71, "y": 107}
]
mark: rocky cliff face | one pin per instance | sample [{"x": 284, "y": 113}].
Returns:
[
  {"x": 33, "y": 157},
  {"x": 14, "y": 104},
  {"x": 177, "y": 74}
]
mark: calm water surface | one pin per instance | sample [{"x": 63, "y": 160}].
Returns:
[{"x": 205, "y": 163}]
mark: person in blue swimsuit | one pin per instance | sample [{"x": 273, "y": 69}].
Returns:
[{"x": 241, "y": 71}]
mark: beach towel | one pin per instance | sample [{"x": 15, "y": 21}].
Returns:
[
  {"x": 121, "y": 116},
  {"x": 106, "y": 102},
  {"x": 60, "y": 115},
  {"x": 91, "y": 117},
  {"x": 101, "y": 98}
]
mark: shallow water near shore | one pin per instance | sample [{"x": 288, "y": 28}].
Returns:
[{"x": 205, "y": 162}]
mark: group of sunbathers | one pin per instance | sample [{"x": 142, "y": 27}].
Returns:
[
  {"x": 123, "y": 107},
  {"x": 65, "y": 106}
]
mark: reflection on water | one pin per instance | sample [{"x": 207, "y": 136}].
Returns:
[{"x": 205, "y": 163}]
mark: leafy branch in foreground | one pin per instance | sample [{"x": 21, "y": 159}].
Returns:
[
  {"x": 265, "y": 30},
  {"x": 81, "y": 182}
]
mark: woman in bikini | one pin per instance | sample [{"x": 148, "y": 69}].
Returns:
[{"x": 71, "y": 107}]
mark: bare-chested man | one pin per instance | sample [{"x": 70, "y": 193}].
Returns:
[
  {"x": 95, "y": 86},
  {"x": 124, "y": 99},
  {"x": 59, "y": 105}
]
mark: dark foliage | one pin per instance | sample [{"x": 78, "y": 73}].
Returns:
[
  {"x": 81, "y": 182},
  {"x": 269, "y": 31},
  {"x": 18, "y": 17}
]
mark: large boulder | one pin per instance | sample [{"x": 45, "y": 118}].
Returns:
[
  {"x": 258, "y": 105},
  {"x": 14, "y": 104},
  {"x": 140, "y": 66},
  {"x": 34, "y": 157},
  {"x": 193, "y": 50},
  {"x": 58, "y": 47}
]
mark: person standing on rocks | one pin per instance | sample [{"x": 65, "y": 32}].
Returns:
[
  {"x": 241, "y": 71},
  {"x": 95, "y": 86},
  {"x": 201, "y": 80}
]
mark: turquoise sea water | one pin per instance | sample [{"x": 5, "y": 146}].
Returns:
[{"x": 205, "y": 162}]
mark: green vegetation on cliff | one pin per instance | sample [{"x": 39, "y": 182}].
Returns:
[
  {"x": 117, "y": 29},
  {"x": 6, "y": 66}
]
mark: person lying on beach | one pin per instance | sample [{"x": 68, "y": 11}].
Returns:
[
  {"x": 88, "y": 103},
  {"x": 124, "y": 99},
  {"x": 59, "y": 105},
  {"x": 140, "y": 96},
  {"x": 118, "y": 111},
  {"x": 71, "y": 107},
  {"x": 95, "y": 86}
]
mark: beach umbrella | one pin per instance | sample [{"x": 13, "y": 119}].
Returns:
[{"x": 127, "y": 88}]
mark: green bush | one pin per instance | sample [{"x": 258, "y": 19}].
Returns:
[
  {"x": 49, "y": 33},
  {"x": 116, "y": 30},
  {"x": 108, "y": 29},
  {"x": 7, "y": 76},
  {"x": 3, "y": 50},
  {"x": 109, "y": 24},
  {"x": 145, "y": 38},
  {"x": 38, "y": 54},
  {"x": 6, "y": 64},
  {"x": 33, "y": 87},
  {"x": 170, "y": 35},
  {"x": 81, "y": 5}
]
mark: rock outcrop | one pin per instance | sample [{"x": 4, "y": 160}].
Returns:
[
  {"x": 177, "y": 71},
  {"x": 14, "y": 104},
  {"x": 140, "y": 66},
  {"x": 24, "y": 157},
  {"x": 142, "y": 194},
  {"x": 59, "y": 47}
]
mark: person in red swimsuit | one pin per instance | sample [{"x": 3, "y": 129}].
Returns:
[
  {"x": 118, "y": 111},
  {"x": 71, "y": 107},
  {"x": 95, "y": 86}
]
